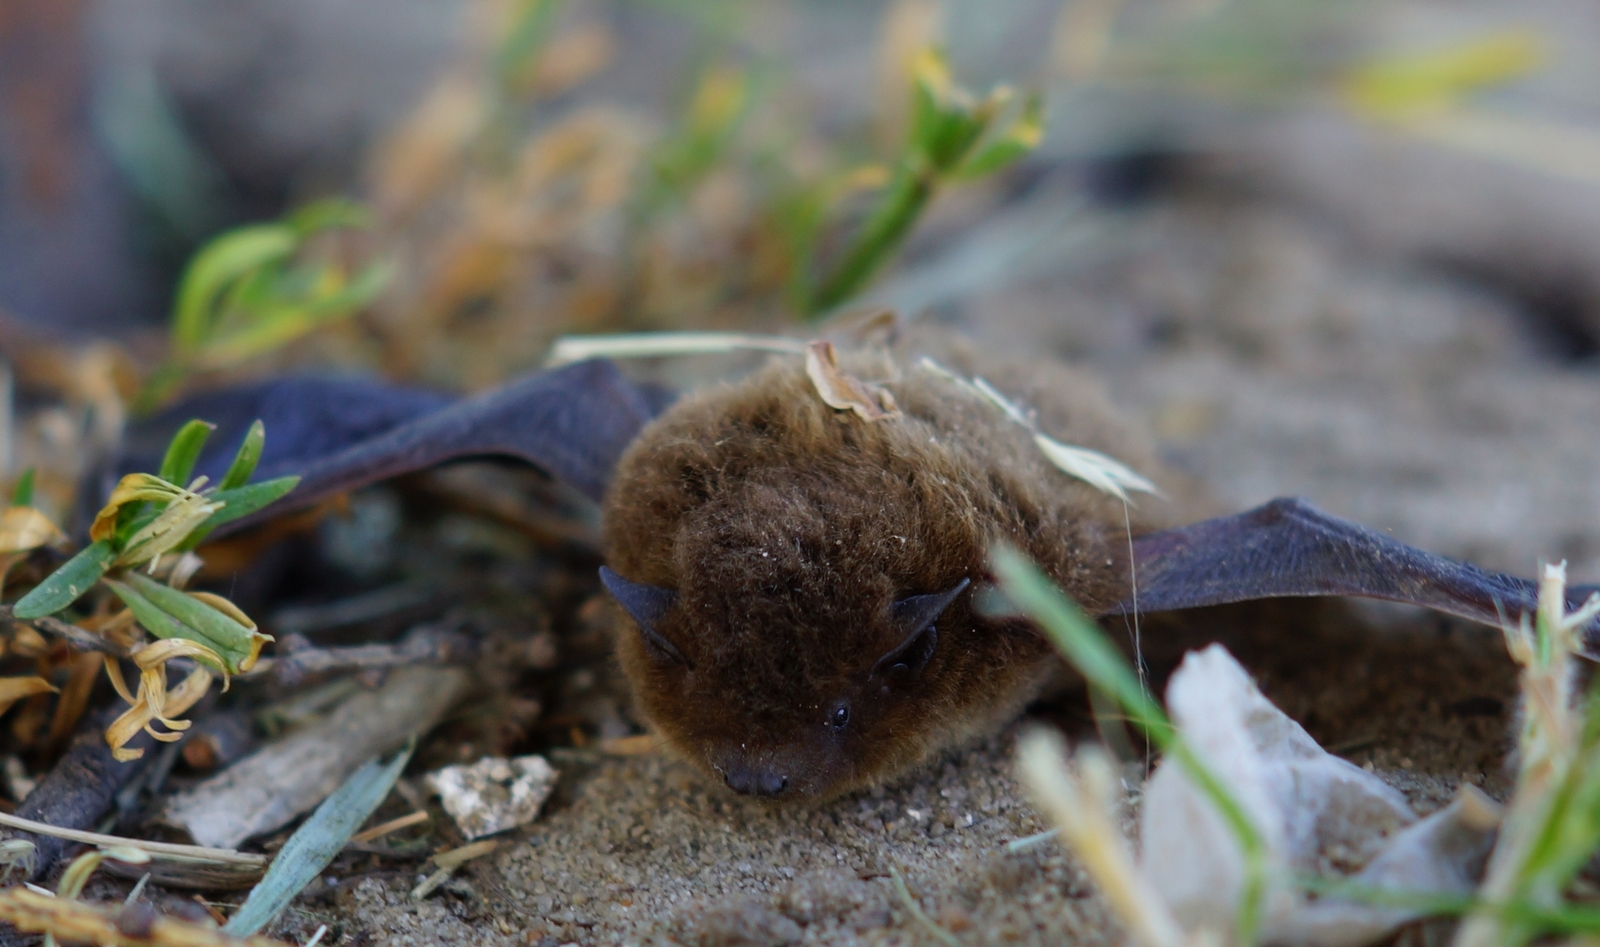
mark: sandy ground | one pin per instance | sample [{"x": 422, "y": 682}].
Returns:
[{"x": 1270, "y": 357}]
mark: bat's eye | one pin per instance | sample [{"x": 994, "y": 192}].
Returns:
[{"x": 841, "y": 715}]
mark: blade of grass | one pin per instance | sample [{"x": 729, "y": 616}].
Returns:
[
  {"x": 183, "y": 451},
  {"x": 314, "y": 844},
  {"x": 1092, "y": 654}
]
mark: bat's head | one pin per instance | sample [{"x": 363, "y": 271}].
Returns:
[
  {"x": 797, "y": 585},
  {"x": 787, "y": 694}
]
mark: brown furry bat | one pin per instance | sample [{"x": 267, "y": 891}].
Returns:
[
  {"x": 793, "y": 535},
  {"x": 801, "y": 580}
]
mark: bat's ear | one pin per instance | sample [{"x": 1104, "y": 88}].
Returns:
[
  {"x": 915, "y": 616},
  {"x": 647, "y": 604}
]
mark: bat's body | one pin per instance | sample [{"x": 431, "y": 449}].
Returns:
[
  {"x": 801, "y": 580},
  {"x": 786, "y": 531}
]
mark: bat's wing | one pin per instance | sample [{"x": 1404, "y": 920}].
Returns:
[
  {"x": 1290, "y": 548},
  {"x": 572, "y": 422}
]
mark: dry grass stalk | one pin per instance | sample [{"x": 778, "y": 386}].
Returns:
[
  {"x": 1557, "y": 763},
  {"x": 135, "y": 925},
  {"x": 1080, "y": 798},
  {"x": 448, "y": 862},
  {"x": 160, "y": 850},
  {"x": 393, "y": 825}
]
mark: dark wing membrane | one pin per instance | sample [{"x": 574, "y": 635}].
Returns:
[
  {"x": 572, "y": 422},
  {"x": 306, "y": 417},
  {"x": 1289, "y": 548}
]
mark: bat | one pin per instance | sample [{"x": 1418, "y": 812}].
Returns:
[{"x": 800, "y": 583}]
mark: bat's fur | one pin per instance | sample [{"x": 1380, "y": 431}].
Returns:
[{"x": 787, "y": 529}]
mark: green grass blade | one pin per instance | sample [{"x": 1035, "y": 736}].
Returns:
[
  {"x": 316, "y": 842},
  {"x": 22, "y": 495},
  {"x": 183, "y": 451},
  {"x": 245, "y": 461},
  {"x": 68, "y": 583},
  {"x": 215, "y": 268},
  {"x": 242, "y": 501},
  {"x": 1081, "y": 641}
]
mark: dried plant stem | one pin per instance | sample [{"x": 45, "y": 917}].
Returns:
[
  {"x": 393, "y": 825},
  {"x": 928, "y": 923},
  {"x": 1081, "y": 804},
  {"x": 1086, "y": 648},
  {"x": 224, "y": 856},
  {"x": 78, "y": 637},
  {"x": 576, "y": 348},
  {"x": 77, "y": 922}
]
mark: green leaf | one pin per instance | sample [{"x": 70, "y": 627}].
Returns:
[
  {"x": 315, "y": 844},
  {"x": 239, "y": 502},
  {"x": 68, "y": 583},
  {"x": 163, "y": 624},
  {"x": 22, "y": 495},
  {"x": 329, "y": 214},
  {"x": 1020, "y": 138},
  {"x": 280, "y": 315},
  {"x": 523, "y": 40},
  {"x": 245, "y": 461},
  {"x": 183, "y": 451},
  {"x": 952, "y": 138},
  {"x": 155, "y": 619},
  {"x": 197, "y": 621},
  {"x": 217, "y": 267},
  {"x": 242, "y": 501}
]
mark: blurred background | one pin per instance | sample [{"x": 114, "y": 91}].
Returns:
[{"x": 1338, "y": 248}]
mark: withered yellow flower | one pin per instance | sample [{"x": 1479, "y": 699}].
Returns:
[
  {"x": 133, "y": 488},
  {"x": 154, "y": 702}
]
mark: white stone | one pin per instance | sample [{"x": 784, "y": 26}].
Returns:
[{"x": 494, "y": 794}]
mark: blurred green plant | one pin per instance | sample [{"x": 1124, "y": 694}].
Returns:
[
  {"x": 251, "y": 290},
  {"x": 1399, "y": 86},
  {"x": 527, "y": 30},
  {"x": 722, "y": 98},
  {"x": 1552, "y": 825},
  {"x": 151, "y": 521},
  {"x": 953, "y": 137},
  {"x": 1550, "y": 833},
  {"x": 1086, "y": 648}
]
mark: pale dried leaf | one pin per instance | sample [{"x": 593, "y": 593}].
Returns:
[
  {"x": 13, "y": 689},
  {"x": 162, "y": 534},
  {"x": 1103, "y": 472},
  {"x": 1098, "y": 470},
  {"x": 843, "y": 391},
  {"x": 154, "y": 703},
  {"x": 23, "y": 528}
]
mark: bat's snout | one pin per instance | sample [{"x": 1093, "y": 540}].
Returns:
[{"x": 755, "y": 780}]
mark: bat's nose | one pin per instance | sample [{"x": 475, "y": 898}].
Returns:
[{"x": 755, "y": 780}]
